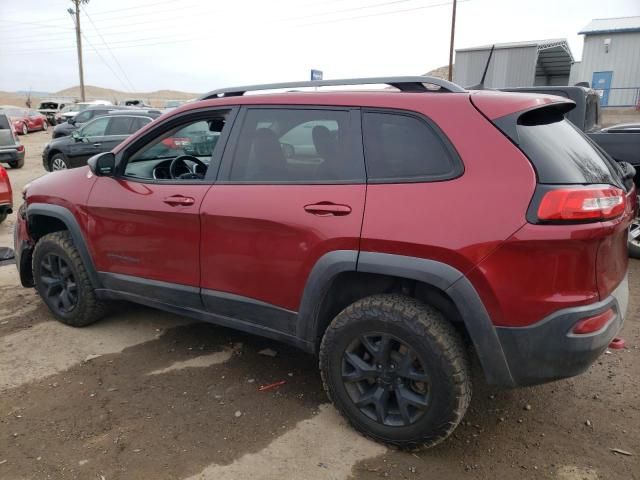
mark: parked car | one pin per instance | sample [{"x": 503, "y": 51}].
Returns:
[
  {"x": 134, "y": 102},
  {"x": 24, "y": 120},
  {"x": 6, "y": 195},
  {"x": 73, "y": 123},
  {"x": 386, "y": 231},
  {"x": 621, "y": 142},
  {"x": 98, "y": 135},
  {"x": 11, "y": 151},
  {"x": 72, "y": 110},
  {"x": 50, "y": 107}
]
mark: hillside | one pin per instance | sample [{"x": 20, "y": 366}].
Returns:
[{"x": 92, "y": 91}]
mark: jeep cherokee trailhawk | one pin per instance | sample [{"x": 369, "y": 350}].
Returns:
[{"x": 393, "y": 232}]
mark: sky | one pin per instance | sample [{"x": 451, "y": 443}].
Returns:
[{"x": 200, "y": 45}]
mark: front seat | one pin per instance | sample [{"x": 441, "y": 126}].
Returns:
[{"x": 268, "y": 160}]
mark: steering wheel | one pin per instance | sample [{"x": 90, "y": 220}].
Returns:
[{"x": 186, "y": 176}]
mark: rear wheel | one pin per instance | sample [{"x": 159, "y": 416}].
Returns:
[
  {"x": 45, "y": 125},
  {"x": 25, "y": 129},
  {"x": 397, "y": 370},
  {"x": 17, "y": 163},
  {"x": 63, "y": 283},
  {"x": 58, "y": 162},
  {"x": 3, "y": 216}
]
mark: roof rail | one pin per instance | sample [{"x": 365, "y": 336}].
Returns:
[{"x": 404, "y": 84}]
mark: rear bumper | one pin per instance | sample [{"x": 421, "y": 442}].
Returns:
[
  {"x": 7, "y": 156},
  {"x": 548, "y": 350}
]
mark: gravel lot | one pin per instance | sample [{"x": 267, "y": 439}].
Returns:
[{"x": 146, "y": 394}]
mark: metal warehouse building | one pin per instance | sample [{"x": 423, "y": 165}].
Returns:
[
  {"x": 519, "y": 64},
  {"x": 611, "y": 60}
]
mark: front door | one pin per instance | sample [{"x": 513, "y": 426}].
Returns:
[
  {"x": 602, "y": 84},
  {"x": 88, "y": 141},
  {"x": 291, "y": 189},
  {"x": 144, "y": 223}
]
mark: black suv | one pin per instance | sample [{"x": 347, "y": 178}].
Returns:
[
  {"x": 66, "y": 128},
  {"x": 96, "y": 136}
]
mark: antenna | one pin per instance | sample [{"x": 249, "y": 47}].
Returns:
[{"x": 480, "y": 86}]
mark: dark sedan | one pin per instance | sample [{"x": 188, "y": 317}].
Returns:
[{"x": 98, "y": 135}]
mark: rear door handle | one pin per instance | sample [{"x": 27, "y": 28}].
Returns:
[
  {"x": 324, "y": 209},
  {"x": 179, "y": 201}
]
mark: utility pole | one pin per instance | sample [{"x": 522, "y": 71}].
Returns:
[
  {"x": 76, "y": 12},
  {"x": 453, "y": 34}
]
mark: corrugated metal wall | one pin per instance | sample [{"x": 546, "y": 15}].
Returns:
[
  {"x": 623, "y": 59},
  {"x": 510, "y": 67}
]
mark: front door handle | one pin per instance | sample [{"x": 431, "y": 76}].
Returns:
[
  {"x": 324, "y": 209},
  {"x": 97, "y": 144},
  {"x": 179, "y": 201}
]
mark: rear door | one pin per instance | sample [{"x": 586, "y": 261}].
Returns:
[
  {"x": 291, "y": 189},
  {"x": 119, "y": 128}
]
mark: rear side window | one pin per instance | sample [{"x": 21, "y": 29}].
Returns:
[
  {"x": 280, "y": 145},
  {"x": 125, "y": 125},
  {"x": 405, "y": 148},
  {"x": 559, "y": 152}
]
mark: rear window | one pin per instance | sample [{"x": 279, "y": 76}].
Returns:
[
  {"x": 559, "y": 152},
  {"x": 4, "y": 122},
  {"x": 405, "y": 148}
]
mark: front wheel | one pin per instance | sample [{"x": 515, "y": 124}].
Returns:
[
  {"x": 397, "y": 370},
  {"x": 63, "y": 283},
  {"x": 58, "y": 162},
  {"x": 45, "y": 126},
  {"x": 25, "y": 129}
]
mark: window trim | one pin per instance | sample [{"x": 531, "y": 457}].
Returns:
[
  {"x": 164, "y": 126},
  {"x": 354, "y": 134},
  {"x": 457, "y": 167}
]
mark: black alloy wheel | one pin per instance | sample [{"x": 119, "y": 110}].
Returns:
[
  {"x": 386, "y": 379},
  {"x": 61, "y": 289}
]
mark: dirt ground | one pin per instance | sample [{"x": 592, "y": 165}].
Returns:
[{"x": 149, "y": 395}]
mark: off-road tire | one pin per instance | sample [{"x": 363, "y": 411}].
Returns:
[
  {"x": 431, "y": 336},
  {"x": 88, "y": 309}
]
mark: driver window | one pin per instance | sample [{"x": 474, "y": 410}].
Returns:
[{"x": 182, "y": 153}]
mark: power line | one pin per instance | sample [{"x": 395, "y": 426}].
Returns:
[
  {"x": 110, "y": 51},
  {"x": 15, "y": 23},
  {"x": 105, "y": 62},
  {"x": 379, "y": 14}
]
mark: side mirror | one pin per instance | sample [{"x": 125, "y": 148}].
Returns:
[
  {"x": 76, "y": 135},
  {"x": 71, "y": 121},
  {"x": 103, "y": 164}
]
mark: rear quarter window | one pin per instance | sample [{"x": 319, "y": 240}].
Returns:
[{"x": 402, "y": 147}]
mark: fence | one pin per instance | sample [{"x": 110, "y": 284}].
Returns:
[{"x": 620, "y": 97}]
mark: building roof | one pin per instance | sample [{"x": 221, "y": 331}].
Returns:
[
  {"x": 554, "y": 55},
  {"x": 612, "y": 25}
]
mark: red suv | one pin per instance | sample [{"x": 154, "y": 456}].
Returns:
[{"x": 390, "y": 232}]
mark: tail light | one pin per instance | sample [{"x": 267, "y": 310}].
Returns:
[
  {"x": 593, "y": 324},
  {"x": 575, "y": 204},
  {"x": 20, "y": 148},
  {"x": 176, "y": 142},
  {"x": 3, "y": 173}
]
